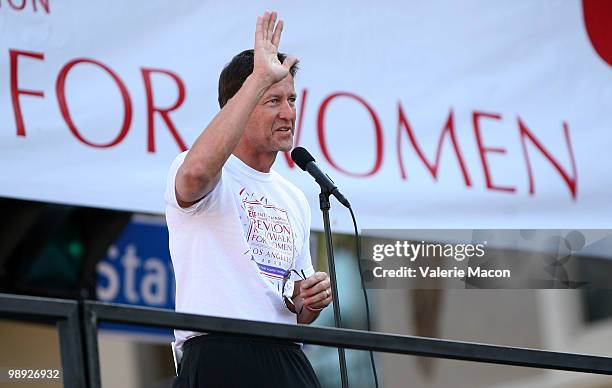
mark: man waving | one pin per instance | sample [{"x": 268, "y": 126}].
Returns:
[{"x": 239, "y": 232}]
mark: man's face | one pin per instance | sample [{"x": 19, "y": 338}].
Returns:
[{"x": 272, "y": 123}]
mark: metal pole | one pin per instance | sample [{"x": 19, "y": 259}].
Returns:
[
  {"x": 73, "y": 365},
  {"x": 325, "y": 206},
  {"x": 89, "y": 327}
]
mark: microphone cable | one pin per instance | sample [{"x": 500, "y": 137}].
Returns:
[{"x": 365, "y": 294}]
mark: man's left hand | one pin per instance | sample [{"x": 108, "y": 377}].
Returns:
[{"x": 315, "y": 291}]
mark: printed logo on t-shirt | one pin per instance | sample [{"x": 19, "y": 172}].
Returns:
[{"x": 269, "y": 234}]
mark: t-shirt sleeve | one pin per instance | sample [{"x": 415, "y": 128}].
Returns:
[
  {"x": 170, "y": 192},
  {"x": 304, "y": 260}
]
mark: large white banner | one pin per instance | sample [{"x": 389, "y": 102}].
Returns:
[{"x": 426, "y": 114}]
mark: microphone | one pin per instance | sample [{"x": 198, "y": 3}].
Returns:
[{"x": 306, "y": 162}]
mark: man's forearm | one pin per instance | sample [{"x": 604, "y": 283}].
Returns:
[
  {"x": 307, "y": 316},
  {"x": 203, "y": 163}
]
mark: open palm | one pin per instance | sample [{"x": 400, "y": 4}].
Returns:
[{"x": 267, "y": 39}]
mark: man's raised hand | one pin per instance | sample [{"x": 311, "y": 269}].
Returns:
[{"x": 267, "y": 38}]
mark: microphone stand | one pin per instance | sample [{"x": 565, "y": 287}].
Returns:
[{"x": 325, "y": 206}]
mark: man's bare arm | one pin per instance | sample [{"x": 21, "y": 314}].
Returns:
[{"x": 201, "y": 169}]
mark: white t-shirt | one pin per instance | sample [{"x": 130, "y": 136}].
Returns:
[{"x": 231, "y": 249}]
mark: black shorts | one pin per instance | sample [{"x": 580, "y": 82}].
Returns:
[{"x": 217, "y": 360}]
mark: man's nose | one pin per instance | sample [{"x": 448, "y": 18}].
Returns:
[{"x": 286, "y": 111}]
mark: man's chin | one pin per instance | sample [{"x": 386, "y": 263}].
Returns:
[
  {"x": 285, "y": 149},
  {"x": 285, "y": 146}
]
